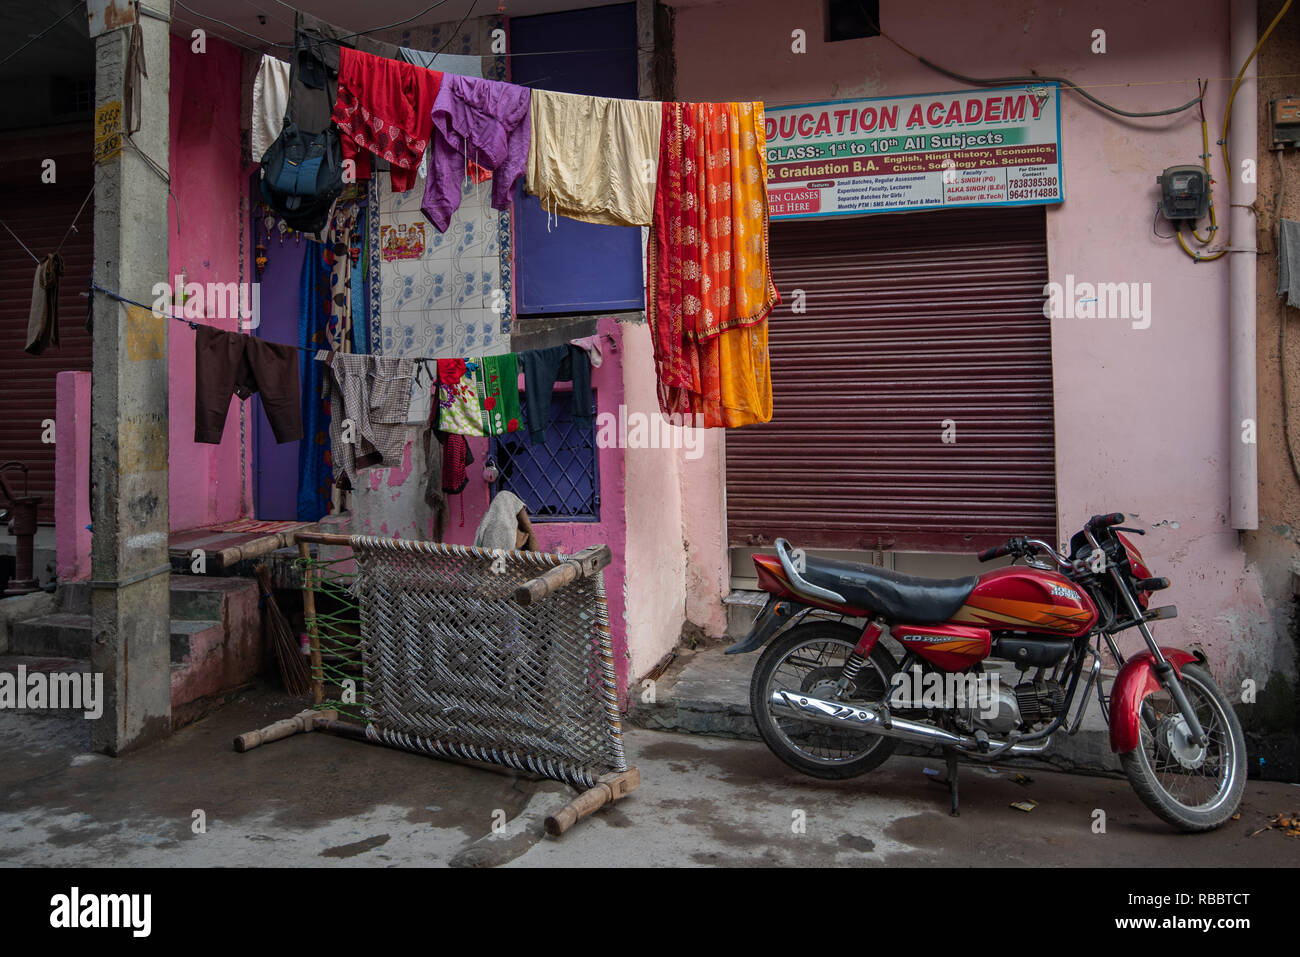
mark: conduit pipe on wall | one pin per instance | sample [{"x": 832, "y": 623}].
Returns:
[{"x": 1243, "y": 490}]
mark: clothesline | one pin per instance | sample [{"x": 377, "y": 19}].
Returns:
[
  {"x": 72, "y": 227},
  {"x": 317, "y": 353}
]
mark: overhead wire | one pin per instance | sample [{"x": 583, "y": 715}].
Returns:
[{"x": 31, "y": 40}]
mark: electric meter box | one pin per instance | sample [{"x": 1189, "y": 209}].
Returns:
[
  {"x": 1184, "y": 192},
  {"x": 1285, "y": 114}
]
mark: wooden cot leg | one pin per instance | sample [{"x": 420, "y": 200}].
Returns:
[
  {"x": 301, "y": 722},
  {"x": 313, "y": 633},
  {"x": 609, "y": 788}
]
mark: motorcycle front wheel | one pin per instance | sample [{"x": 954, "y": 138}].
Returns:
[
  {"x": 1194, "y": 788},
  {"x": 810, "y": 658}
]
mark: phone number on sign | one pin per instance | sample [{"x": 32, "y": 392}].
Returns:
[{"x": 1038, "y": 188}]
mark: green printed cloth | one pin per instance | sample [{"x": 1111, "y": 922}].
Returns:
[{"x": 478, "y": 396}]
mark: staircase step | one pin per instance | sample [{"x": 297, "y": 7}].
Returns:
[
  {"x": 61, "y": 635},
  {"x": 66, "y": 635},
  {"x": 193, "y": 597}
]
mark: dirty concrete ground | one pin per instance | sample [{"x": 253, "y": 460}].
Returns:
[{"x": 319, "y": 800}]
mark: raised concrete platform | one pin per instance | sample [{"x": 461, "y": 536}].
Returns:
[
  {"x": 216, "y": 640},
  {"x": 707, "y": 692}
]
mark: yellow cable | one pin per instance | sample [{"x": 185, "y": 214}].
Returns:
[
  {"x": 1205, "y": 161},
  {"x": 1209, "y": 257},
  {"x": 1227, "y": 112},
  {"x": 1223, "y": 142}
]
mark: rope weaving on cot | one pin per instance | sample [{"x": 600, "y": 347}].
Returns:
[{"x": 450, "y": 664}]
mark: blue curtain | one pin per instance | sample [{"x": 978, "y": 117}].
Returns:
[{"x": 315, "y": 466}]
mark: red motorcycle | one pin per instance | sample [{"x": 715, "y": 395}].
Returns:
[{"x": 830, "y": 699}]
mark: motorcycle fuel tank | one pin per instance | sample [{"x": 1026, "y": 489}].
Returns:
[{"x": 1028, "y": 599}]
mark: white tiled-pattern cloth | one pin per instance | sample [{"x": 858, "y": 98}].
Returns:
[
  {"x": 441, "y": 305},
  {"x": 373, "y": 392}
]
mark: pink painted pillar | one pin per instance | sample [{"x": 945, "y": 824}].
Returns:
[{"x": 72, "y": 475}]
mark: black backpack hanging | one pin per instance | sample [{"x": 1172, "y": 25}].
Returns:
[
  {"x": 302, "y": 176},
  {"x": 302, "y": 172}
]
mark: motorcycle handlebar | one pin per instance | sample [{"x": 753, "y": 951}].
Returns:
[
  {"x": 1111, "y": 518},
  {"x": 996, "y": 552}
]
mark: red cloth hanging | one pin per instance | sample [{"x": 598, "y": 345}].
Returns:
[{"x": 385, "y": 106}]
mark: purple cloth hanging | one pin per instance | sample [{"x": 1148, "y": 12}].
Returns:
[{"x": 481, "y": 120}]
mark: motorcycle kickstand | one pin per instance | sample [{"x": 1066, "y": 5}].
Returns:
[{"x": 950, "y": 757}]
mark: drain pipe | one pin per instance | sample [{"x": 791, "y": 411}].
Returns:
[{"x": 1243, "y": 491}]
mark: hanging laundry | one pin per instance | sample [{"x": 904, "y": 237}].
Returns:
[
  {"x": 710, "y": 288},
  {"x": 446, "y": 62},
  {"x": 342, "y": 235},
  {"x": 478, "y": 396},
  {"x": 506, "y": 525},
  {"x": 359, "y": 281},
  {"x": 434, "y": 495},
  {"x": 227, "y": 363},
  {"x": 456, "y": 460},
  {"x": 314, "y": 69},
  {"x": 43, "y": 319},
  {"x": 482, "y": 121},
  {"x": 386, "y": 107},
  {"x": 270, "y": 103},
  {"x": 373, "y": 394},
  {"x": 593, "y": 158},
  {"x": 542, "y": 369},
  {"x": 315, "y": 314},
  {"x": 591, "y": 346}
]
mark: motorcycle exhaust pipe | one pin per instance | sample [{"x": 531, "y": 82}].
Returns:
[{"x": 839, "y": 715}]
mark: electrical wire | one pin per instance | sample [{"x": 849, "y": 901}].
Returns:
[
  {"x": 38, "y": 36},
  {"x": 1154, "y": 219},
  {"x": 1035, "y": 78},
  {"x": 231, "y": 26},
  {"x": 1205, "y": 162},
  {"x": 456, "y": 32},
  {"x": 399, "y": 23},
  {"x": 1223, "y": 145},
  {"x": 1232, "y": 95}
]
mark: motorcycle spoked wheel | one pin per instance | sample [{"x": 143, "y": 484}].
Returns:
[
  {"x": 810, "y": 658},
  {"x": 1192, "y": 788}
]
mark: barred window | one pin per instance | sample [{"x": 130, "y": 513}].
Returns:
[{"x": 558, "y": 481}]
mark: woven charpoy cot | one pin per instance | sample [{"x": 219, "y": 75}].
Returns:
[
  {"x": 453, "y": 664},
  {"x": 492, "y": 656}
]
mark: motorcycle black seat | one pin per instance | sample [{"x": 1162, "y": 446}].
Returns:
[{"x": 893, "y": 595}]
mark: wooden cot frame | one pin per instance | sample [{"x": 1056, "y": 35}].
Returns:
[{"x": 608, "y": 788}]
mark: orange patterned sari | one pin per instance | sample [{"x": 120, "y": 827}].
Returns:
[{"x": 709, "y": 288}]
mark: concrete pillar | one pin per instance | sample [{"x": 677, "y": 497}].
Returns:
[{"x": 128, "y": 443}]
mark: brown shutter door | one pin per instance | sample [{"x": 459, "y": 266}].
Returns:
[
  {"x": 910, "y": 320},
  {"x": 40, "y": 215}
]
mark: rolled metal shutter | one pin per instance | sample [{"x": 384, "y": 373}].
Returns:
[
  {"x": 910, "y": 320},
  {"x": 40, "y": 215}
]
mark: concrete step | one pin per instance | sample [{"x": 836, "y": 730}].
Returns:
[
  {"x": 193, "y": 597},
  {"x": 742, "y": 608},
  {"x": 69, "y": 636},
  {"x": 707, "y": 692}
]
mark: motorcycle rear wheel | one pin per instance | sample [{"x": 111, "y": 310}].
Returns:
[
  {"x": 1193, "y": 789},
  {"x": 811, "y": 656}
]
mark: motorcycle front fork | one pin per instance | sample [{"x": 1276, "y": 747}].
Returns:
[{"x": 1165, "y": 672}]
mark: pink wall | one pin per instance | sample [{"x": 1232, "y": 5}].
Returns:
[
  {"x": 1170, "y": 465},
  {"x": 72, "y": 471},
  {"x": 207, "y": 176},
  {"x": 656, "y": 559}
]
